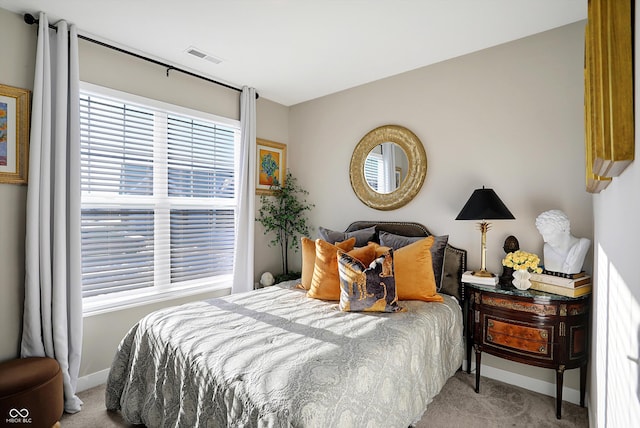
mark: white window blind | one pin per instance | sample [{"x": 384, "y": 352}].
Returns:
[
  {"x": 158, "y": 196},
  {"x": 374, "y": 171}
]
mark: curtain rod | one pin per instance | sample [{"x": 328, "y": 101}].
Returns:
[{"x": 30, "y": 19}]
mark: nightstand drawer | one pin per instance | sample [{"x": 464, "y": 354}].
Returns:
[{"x": 520, "y": 338}]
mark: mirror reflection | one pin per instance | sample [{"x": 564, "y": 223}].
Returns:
[{"x": 385, "y": 167}]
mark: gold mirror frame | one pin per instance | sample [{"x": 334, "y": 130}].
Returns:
[{"x": 416, "y": 173}]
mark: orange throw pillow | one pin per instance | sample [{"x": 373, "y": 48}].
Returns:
[
  {"x": 414, "y": 272},
  {"x": 309, "y": 258},
  {"x": 325, "y": 282}
]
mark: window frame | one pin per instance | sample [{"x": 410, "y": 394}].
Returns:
[{"x": 103, "y": 303}]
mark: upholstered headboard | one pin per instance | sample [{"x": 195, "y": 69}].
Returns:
[{"x": 455, "y": 259}]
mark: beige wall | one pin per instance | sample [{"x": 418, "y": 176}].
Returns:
[
  {"x": 509, "y": 118},
  {"x": 272, "y": 123},
  {"x": 105, "y": 67},
  {"x": 16, "y": 69}
]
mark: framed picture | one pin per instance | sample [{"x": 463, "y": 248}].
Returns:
[
  {"x": 272, "y": 166},
  {"x": 14, "y": 134}
]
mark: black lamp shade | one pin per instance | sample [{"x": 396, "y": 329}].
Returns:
[{"x": 484, "y": 204}]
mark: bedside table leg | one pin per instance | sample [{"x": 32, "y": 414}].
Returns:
[
  {"x": 478, "y": 353},
  {"x": 469, "y": 327},
  {"x": 559, "y": 380},
  {"x": 583, "y": 383}
]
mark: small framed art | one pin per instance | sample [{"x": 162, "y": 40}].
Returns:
[
  {"x": 272, "y": 165},
  {"x": 14, "y": 134}
]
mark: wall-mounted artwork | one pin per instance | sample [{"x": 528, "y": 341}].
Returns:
[
  {"x": 272, "y": 166},
  {"x": 14, "y": 134}
]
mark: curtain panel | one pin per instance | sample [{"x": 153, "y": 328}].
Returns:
[
  {"x": 52, "y": 323},
  {"x": 243, "y": 276}
]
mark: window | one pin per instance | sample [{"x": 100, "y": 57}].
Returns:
[
  {"x": 158, "y": 197},
  {"x": 374, "y": 171}
]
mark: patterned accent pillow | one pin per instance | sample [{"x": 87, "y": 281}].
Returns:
[
  {"x": 369, "y": 289},
  {"x": 437, "y": 250},
  {"x": 363, "y": 236}
]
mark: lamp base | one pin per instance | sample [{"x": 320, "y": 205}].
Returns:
[{"x": 483, "y": 273}]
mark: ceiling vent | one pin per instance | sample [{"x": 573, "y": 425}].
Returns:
[{"x": 202, "y": 55}]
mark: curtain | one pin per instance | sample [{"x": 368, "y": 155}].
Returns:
[
  {"x": 389, "y": 165},
  {"x": 52, "y": 323},
  {"x": 243, "y": 262}
]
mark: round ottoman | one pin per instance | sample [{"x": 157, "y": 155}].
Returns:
[{"x": 30, "y": 392}]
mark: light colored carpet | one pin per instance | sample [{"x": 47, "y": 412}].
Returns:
[{"x": 498, "y": 405}]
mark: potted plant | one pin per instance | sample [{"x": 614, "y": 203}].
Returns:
[{"x": 283, "y": 213}]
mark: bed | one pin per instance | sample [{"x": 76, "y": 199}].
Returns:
[{"x": 274, "y": 357}]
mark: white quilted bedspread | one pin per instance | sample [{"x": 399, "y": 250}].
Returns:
[{"x": 275, "y": 358}]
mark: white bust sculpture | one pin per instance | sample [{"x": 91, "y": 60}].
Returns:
[{"x": 562, "y": 251}]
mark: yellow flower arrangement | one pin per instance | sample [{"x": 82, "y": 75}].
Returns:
[{"x": 522, "y": 260}]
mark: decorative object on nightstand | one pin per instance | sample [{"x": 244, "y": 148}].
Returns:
[
  {"x": 521, "y": 279},
  {"x": 562, "y": 252},
  {"x": 523, "y": 264},
  {"x": 484, "y": 204},
  {"x": 468, "y": 276},
  {"x": 571, "y": 287},
  {"x": 562, "y": 291},
  {"x": 511, "y": 244}
]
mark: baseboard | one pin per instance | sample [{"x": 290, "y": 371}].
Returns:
[
  {"x": 92, "y": 380},
  {"x": 568, "y": 394}
]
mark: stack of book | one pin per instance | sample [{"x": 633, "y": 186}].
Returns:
[
  {"x": 469, "y": 277},
  {"x": 570, "y": 285}
]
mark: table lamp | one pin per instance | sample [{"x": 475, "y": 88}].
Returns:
[{"x": 484, "y": 205}]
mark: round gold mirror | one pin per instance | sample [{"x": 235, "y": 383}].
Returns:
[{"x": 388, "y": 167}]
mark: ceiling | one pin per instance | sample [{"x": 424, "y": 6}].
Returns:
[{"x": 292, "y": 51}]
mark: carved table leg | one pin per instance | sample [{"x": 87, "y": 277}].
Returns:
[
  {"x": 468, "y": 357},
  {"x": 469, "y": 326},
  {"x": 478, "y": 353},
  {"x": 559, "y": 379},
  {"x": 583, "y": 383}
]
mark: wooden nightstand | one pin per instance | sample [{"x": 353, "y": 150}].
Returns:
[{"x": 530, "y": 327}]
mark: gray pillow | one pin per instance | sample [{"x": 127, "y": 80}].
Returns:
[
  {"x": 363, "y": 236},
  {"x": 437, "y": 250},
  {"x": 452, "y": 269}
]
